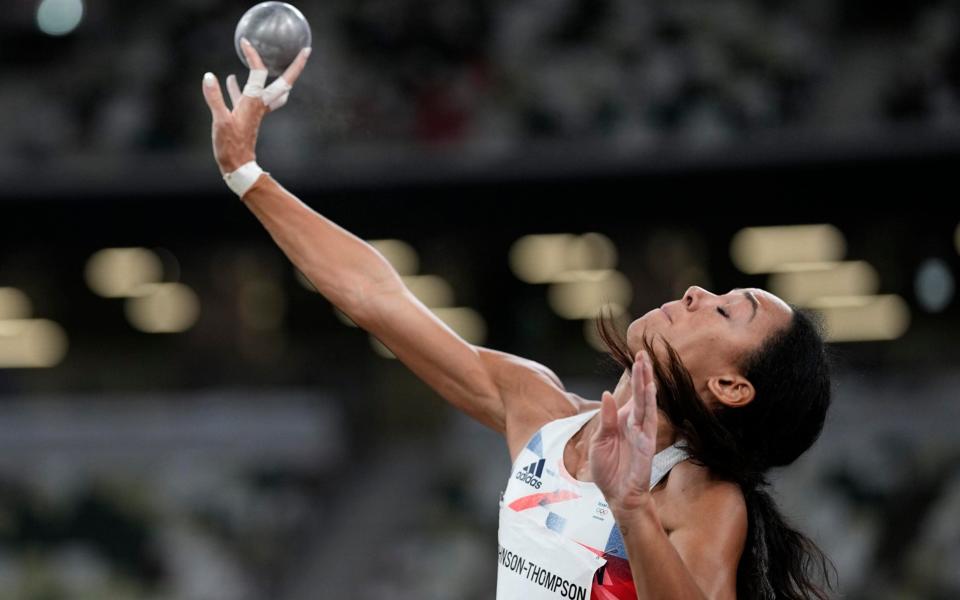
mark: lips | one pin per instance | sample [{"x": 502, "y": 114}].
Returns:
[{"x": 669, "y": 318}]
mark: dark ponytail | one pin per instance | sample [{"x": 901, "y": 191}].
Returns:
[{"x": 791, "y": 377}]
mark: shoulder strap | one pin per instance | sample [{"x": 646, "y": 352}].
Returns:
[{"x": 665, "y": 460}]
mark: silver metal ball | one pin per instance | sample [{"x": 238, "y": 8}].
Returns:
[{"x": 277, "y": 30}]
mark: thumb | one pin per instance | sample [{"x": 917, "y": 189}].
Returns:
[{"x": 214, "y": 97}]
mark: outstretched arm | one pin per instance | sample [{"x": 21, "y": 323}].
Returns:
[{"x": 500, "y": 390}]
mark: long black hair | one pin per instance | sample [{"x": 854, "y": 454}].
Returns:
[{"x": 791, "y": 377}]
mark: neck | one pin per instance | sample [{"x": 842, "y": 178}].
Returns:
[{"x": 666, "y": 435}]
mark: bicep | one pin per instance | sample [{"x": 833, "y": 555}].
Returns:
[
  {"x": 498, "y": 389},
  {"x": 451, "y": 366}
]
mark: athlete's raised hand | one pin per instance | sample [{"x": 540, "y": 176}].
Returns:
[{"x": 235, "y": 131}]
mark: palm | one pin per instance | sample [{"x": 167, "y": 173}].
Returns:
[{"x": 622, "y": 449}]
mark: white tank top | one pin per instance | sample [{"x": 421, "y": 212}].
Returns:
[{"x": 557, "y": 536}]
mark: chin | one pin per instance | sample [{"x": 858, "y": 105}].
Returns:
[
  {"x": 648, "y": 326},
  {"x": 635, "y": 333}
]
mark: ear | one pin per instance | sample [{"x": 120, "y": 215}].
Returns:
[{"x": 731, "y": 389}]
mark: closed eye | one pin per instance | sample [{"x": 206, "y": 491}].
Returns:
[{"x": 723, "y": 312}]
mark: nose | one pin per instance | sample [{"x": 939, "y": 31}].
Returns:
[{"x": 694, "y": 296}]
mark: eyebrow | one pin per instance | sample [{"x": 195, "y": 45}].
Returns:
[{"x": 753, "y": 301}]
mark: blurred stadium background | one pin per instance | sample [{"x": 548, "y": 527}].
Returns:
[{"x": 182, "y": 417}]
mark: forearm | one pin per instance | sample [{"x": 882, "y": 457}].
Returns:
[
  {"x": 659, "y": 572},
  {"x": 344, "y": 268}
]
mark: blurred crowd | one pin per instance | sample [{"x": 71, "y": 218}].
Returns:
[{"x": 486, "y": 73}]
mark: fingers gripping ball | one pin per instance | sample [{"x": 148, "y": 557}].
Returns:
[
  {"x": 277, "y": 30},
  {"x": 274, "y": 95}
]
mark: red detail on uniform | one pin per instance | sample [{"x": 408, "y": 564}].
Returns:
[
  {"x": 614, "y": 580},
  {"x": 534, "y": 500}
]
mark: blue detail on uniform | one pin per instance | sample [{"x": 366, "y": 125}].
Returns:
[
  {"x": 615, "y": 545},
  {"x": 556, "y": 522},
  {"x": 536, "y": 444}
]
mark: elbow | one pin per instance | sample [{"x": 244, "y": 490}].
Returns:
[{"x": 367, "y": 300}]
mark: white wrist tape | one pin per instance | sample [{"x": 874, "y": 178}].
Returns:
[{"x": 241, "y": 180}]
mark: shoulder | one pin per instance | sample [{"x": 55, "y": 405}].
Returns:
[
  {"x": 705, "y": 517},
  {"x": 708, "y": 526},
  {"x": 699, "y": 496}
]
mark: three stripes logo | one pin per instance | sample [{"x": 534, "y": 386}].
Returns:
[{"x": 531, "y": 473}]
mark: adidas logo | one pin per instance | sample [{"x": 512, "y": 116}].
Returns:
[{"x": 531, "y": 473}]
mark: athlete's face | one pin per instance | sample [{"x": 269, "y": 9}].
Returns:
[{"x": 712, "y": 333}]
